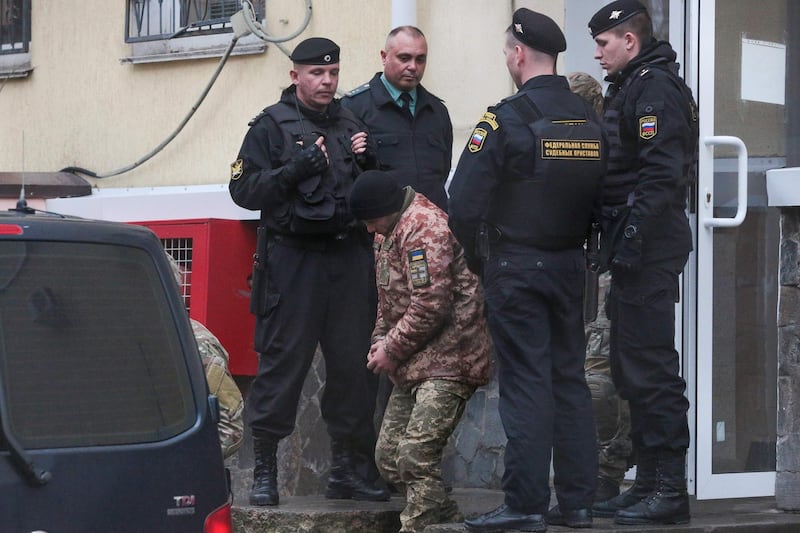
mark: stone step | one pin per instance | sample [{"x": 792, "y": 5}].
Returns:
[{"x": 315, "y": 514}]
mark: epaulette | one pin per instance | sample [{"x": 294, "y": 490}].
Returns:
[
  {"x": 258, "y": 117},
  {"x": 358, "y": 90},
  {"x": 507, "y": 100}
]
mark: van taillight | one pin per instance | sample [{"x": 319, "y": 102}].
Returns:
[
  {"x": 10, "y": 229},
  {"x": 219, "y": 521}
]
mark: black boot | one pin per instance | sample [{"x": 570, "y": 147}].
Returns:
[
  {"x": 345, "y": 483},
  {"x": 643, "y": 486},
  {"x": 669, "y": 503},
  {"x": 265, "y": 473}
]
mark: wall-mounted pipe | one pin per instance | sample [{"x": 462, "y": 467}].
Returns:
[{"x": 404, "y": 12}]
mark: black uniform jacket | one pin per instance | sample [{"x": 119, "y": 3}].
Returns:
[
  {"x": 650, "y": 158},
  {"x": 506, "y": 178},
  {"x": 421, "y": 149},
  {"x": 319, "y": 204}
]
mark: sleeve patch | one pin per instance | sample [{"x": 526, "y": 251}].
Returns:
[
  {"x": 236, "y": 169},
  {"x": 476, "y": 140},
  {"x": 648, "y": 127},
  {"x": 418, "y": 268}
]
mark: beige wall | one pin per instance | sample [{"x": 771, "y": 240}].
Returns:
[{"x": 82, "y": 107}]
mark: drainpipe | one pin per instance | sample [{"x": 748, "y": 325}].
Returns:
[{"x": 404, "y": 12}]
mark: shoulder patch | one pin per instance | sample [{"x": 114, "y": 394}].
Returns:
[
  {"x": 236, "y": 169},
  {"x": 648, "y": 127},
  {"x": 476, "y": 140},
  {"x": 418, "y": 268},
  {"x": 358, "y": 90}
]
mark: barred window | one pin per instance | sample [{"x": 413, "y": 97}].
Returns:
[
  {"x": 149, "y": 20},
  {"x": 15, "y": 39},
  {"x": 15, "y": 26}
]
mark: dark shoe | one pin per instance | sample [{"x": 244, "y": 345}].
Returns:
[
  {"x": 644, "y": 485},
  {"x": 504, "y": 518},
  {"x": 344, "y": 483},
  {"x": 606, "y": 489},
  {"x": 449, "y": 513},
  {"x": 669, "y": 503},
  {"x": 265, "y": 474},
  {"x": 574, "y": 518}
]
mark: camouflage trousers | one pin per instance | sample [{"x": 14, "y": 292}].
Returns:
[
  {"x": 416, "y": 426},
  {"x": 612, "y": 414}
]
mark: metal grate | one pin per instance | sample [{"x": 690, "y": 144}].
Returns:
[
  {"x": 148, "y": 20},
  {"x": 181, "y": 250},
  {"x": 15, "y": 26}
]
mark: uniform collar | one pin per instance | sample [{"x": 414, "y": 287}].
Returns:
[{"x": 394, "y": 93}]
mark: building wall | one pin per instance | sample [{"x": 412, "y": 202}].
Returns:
[{"x": 83, "y": 106}]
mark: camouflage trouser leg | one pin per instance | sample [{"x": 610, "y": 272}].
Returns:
[
  {"x": 613, "y": 423},
  {"x": 416, "y": 426}
]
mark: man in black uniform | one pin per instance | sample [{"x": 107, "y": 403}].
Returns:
[
  {"x": 312, "y": 271},
  {"x": 650, "y": 119},
  {"x": 522, "y": 201},
  {"x": 415, "y": 138}
]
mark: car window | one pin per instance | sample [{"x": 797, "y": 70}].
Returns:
[{"x": 88, "y": 351}]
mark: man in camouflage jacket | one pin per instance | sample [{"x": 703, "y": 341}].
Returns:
[
  {"x": 430, "y": 338},
  {"x": 221, "y": 384}
]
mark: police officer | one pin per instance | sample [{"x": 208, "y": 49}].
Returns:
[
  {"x": 411, "y": 126},
  {"x": 650, "y": 119},
  {"x": 311, "y": 281},
  {"x": 523, "y": 198}
]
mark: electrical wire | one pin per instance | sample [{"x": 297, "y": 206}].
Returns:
[{"x": 258, "y": 31}]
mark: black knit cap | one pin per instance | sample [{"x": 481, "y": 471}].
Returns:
[
  {"x": 316, "y": 51},
  {"x": 614, "y": 14},
  {"x": 538, "y": 31},
  {"x": 375, "y": 194}
]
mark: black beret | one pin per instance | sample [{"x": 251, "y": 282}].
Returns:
[
  {"x": 614, "y": 14},
  {"x": 538, "y": 31},
  {"x": 316, "y": 51},
  {"x": 375, "y": 194}
]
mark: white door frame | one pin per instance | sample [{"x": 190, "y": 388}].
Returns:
[{"x": 701, "y": 77}]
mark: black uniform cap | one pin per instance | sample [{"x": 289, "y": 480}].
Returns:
[
  {"x": 375, "y": 194},
  {"x": 538, "y": 31},
  {"x": 316, "y": 51},
  {"x": 614, "y": 14}
]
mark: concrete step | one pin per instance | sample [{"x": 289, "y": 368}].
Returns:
[{"x": 315, "y": 514}]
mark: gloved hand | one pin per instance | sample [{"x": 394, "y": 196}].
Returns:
[
  {"x": 629, "y": 256},
  {"x": 308, "y": 162}
]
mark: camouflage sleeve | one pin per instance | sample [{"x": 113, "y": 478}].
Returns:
[
  {"x": 231, "y": 426},
  {"x": 222, "y": 385},
  {"x": 427, "y": 252}
]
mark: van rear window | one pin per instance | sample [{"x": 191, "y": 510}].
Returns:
[{"x": 88, "y": 350}]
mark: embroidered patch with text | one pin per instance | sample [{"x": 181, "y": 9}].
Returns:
[{"x": 648, "y": 127}]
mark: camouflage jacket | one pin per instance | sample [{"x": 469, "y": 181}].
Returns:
[
  {"x": 221, "y": 384},
  {"x": 430, "y": 306}
]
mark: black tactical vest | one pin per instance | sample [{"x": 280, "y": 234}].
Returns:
[
  {"x": 319, "y": 205},
  {"x": 553, "y": 203}
]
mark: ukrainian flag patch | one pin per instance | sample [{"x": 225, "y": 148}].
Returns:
[{"x": 418, "y": 268}]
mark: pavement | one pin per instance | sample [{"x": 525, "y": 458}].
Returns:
[{"x": 315, "y": 514}]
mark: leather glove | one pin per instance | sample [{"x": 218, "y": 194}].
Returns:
[
  {"x": 629, "y": 256},
  {"x": 308, "y": 162}
]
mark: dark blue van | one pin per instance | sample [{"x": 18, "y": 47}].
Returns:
[{"x": 106, "y": 424}]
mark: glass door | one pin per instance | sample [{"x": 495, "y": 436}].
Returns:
[{"x": 741, "y": 52}]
